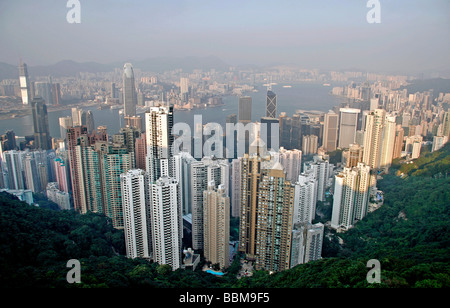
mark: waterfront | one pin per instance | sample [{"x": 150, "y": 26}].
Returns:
[{"x": 304, "y": 96}]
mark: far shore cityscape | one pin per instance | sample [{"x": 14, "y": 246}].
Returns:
[{"x": 91, "y": 168}]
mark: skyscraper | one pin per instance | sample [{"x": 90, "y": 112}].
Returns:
[
  {"x": 245, "y": 109},
  {"x": 64, "y": 124},
  {"x": 373, "y": 138},
  {"x": 305, "y": 198},
  {"x": 270, "y": 133},
  {"x": 330, "y": 131},
  {"x": 203, "y": 172},
  {"x": 184, "y": 89},
  {"x": 73, "y": 134},
  {"x": 351, "y": 196},
  {"x": 310, "y": 144},
  {"x": 292, "y": 163},
  {"x": 320, "y": 170},
  {"x": 89, "y": 163},
  {"x": 398, "y": 147},
  {"x": 251, "y": 173},
  {"x": 89, "y": 122},
  {"x": 129, "y": 91},
  {"x": 235, "y": 187},
  {"x": 216, "y": 212},
  {"x": 307, "y": 242},
  {"x": 13, "y": 163},
  {"x": 166, "y": 222},
  {"x": 114, "y": 161},
  {"x": 274, "y": 222},
  {"x": 136, "y": 213},
  {"x": 158, "y": 126},
  {"x": 24, "y": 84},
  {"x": 387, "y": 148},
  {"x": 44, "y": 90},
  {"x": 347, "y": 126},
  {"x": 271, "y": 104},
  {"x": 40, "y": 124}
]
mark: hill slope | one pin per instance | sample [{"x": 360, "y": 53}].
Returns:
[{"x": 409, "y": 235}]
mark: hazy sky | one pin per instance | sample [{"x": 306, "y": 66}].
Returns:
[{"x": 413, "y": 35}]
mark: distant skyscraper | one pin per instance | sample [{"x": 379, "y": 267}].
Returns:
[
  {"x": 166, "y": 222},
  {"x": 184, "y": 88},
  {"x": 136, "y": 213},
  {"x": 40, "y": 124},
  {"x": 129, "y": 91},
  {"x": 330, "y": 131},
  {"x": 245, "y": 109},
  {"x": 76, "y": 118},
  {"x": 347, "y": 126},
  {"x": 24, "y": 83},
  {"x": 309, "y": 145},
  {"x": 44, "y": 90},
  {"x": 271, "y": 104},
  {"x": 89, "y": 122},
  {"x": 64, "y": 124},
  {"x": 56, "y": 92}
]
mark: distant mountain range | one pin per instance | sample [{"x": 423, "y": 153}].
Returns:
[{"x": 72, "y": 68}]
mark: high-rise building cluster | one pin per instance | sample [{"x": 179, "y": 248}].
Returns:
[{"x": 169, "y": 203}]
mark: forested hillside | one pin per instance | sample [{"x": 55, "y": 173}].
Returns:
[{"x": 409, "y": 235}]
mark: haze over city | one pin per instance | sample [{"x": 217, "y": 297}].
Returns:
[{"x": 411, "y": 36}]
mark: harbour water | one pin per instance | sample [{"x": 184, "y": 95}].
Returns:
[{"x": 304, "y": 96}]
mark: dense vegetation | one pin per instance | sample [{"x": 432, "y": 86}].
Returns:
[{"x": 409, "y": 235}]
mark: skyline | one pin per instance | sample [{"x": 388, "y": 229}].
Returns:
[{"x": 410, "y": 37}]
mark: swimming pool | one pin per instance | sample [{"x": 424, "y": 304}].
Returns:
[{"x": 214, "y": 273}]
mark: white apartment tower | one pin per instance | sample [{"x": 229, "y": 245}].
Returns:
[
  {"x": 158, "y": 126},
  {"x": 136, "y": 215},
  {"x": 307, "y": 240},
  {"x": 305, "y": 199},
  {"x": 373, "y": 138},
  {"x": 291, "y": 160},
  {"x": 166, "y": 222},
  {"x": 351, "y": 196}
]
